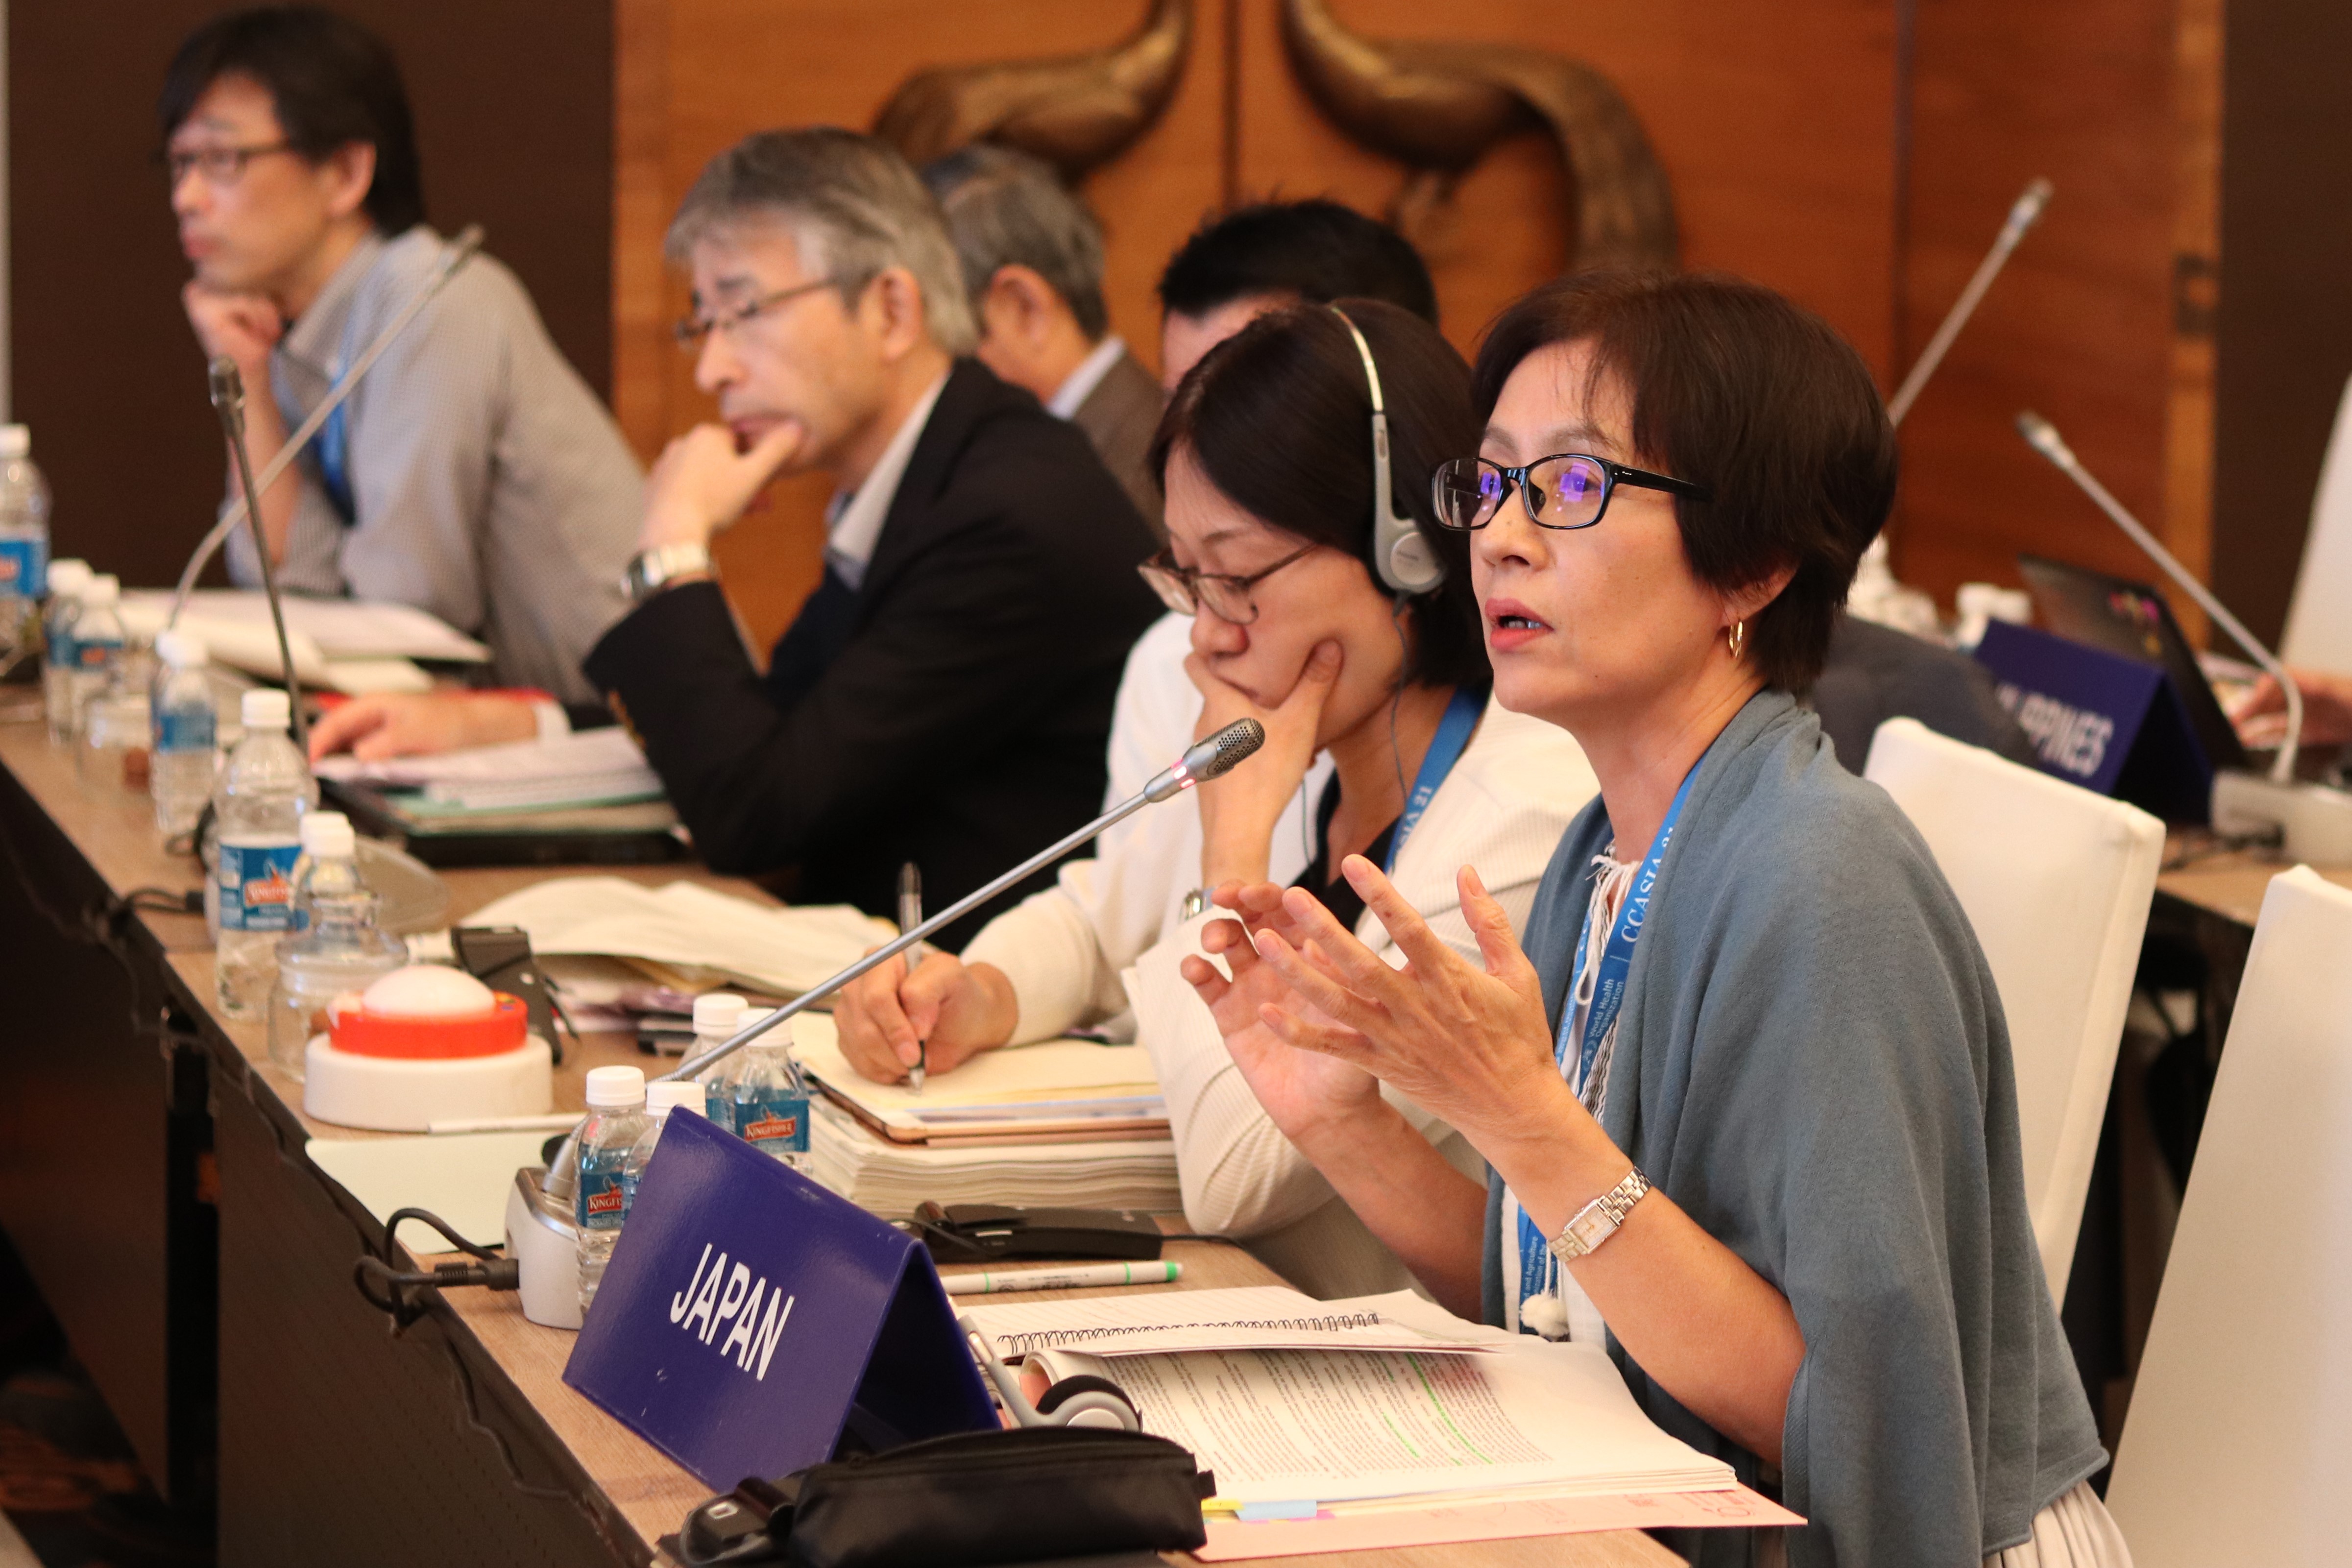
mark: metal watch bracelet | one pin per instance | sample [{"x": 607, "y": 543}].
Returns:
[
  {"x": 1597, "y": 1221},
  {"x": 650, "y": 571}
]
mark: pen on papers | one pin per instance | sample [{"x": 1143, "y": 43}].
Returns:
[
  {"x": 911, "y": 915},
  {"x": 1089, "y": 1276}
]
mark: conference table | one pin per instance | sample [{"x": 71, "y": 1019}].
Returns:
[{"x": 154, "y": 1176}]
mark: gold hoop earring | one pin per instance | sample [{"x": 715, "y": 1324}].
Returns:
[{"x": 1737, "y": 638}]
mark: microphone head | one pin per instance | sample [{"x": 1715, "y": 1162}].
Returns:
[
  {"x": 2027, "y": 208},
  {"x": 1218, "y": 755},
  {"x": 228, "y": 385},
  {"x": 2043, "y": 437}
]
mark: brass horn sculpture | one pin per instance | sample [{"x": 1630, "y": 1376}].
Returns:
[
  {"x": 1437, "y": 107},
  {"x": 1073, "y": 111}
]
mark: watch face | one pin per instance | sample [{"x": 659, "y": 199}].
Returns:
[{"x": 1590, "y": 1229}]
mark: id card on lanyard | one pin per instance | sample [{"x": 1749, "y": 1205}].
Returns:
[
  {"x": 1446, "y": 750},
  {"x": 1616, "y": 963}
]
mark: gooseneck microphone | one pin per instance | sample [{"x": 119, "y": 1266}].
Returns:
[
  {"x": 461, "y": 250},
  {"x": 2023, "y": 214},
  {"x": 228, "y": 401},
  {"x": 2043, "y": 437},
  {"x": 1202, "y": 760}
]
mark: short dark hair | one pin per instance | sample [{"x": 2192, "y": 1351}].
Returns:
[
  {"x": 1279, "y": 417},
  {"x": 1316, "y": 250},
  {"x": 1007, "y": 209},
  {"x": 332, "y": 82},
  {"x": 1736, "y": 388}
]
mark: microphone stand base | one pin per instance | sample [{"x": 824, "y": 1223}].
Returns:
[{"x": 2315, "y": 820}]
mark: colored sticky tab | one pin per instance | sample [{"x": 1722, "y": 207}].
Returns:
[
  {"x": 750, "y": 1317},
  {"x": 1257, "y": 1512}
]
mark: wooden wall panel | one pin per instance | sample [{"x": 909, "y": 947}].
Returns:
[
  {"x": 1774, "y": 122},
  {"x": 2080, "y": 326}
]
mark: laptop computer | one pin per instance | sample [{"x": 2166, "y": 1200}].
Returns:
[{"x": 2132, "y": 620}]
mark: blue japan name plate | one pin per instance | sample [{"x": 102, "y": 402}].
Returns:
[{"x": 749, "y": 1317}]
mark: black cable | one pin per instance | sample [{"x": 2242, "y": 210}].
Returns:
[{"x": 490, "y": 1272}]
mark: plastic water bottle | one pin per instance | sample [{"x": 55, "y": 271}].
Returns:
[
  {"x": 661, "y": 1099},
  {"x": 616, "y": 1119},
  {"x": 24, "y": 541},
  {"x": 717, "y": 1016},
  {"x": 68, "y": 578},
  {"x": 767, "y": 1099},
  {"x": 258, "y": 801},
  {"x": 181, "y": 754},
  {"x": 335, "y": 946},
  {"x": 97, "y": 639}
]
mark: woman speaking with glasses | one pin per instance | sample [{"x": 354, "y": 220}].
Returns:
[
  {"x": 1747, "y": 1092},
  {"x": 1318, "y": 596}
]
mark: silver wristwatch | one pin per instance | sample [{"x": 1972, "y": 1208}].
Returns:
[
  {"x": 1196, "y": 902},
  {"x": 1598, "y": 1221},
  {"x": 650, "y": 571}
]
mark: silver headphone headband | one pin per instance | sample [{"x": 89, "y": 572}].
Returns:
[{"x": 1372, "y": 370}]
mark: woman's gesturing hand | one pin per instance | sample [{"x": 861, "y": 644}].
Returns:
[
  {"x": 1238, "y": 811},
  {"x": 1306, "y": 1094},
  {"x": 1465, "y": 1041}
]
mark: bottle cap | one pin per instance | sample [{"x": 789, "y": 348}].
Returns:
[
  {"x": 327, "y": 835},
  {"x": 266, "y": 708},
  {"x": 610, "y": 1087},
  {"x": 15, "y": 441},
  {"x": 103, "y": 589},
  {"x": 663, "y": 1097},
  {"x": 181, "y": 650},
  {"x": 718, "y": 1012},
  {"x": 68, "y": 576}
]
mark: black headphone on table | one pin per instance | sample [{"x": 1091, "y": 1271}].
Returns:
[{"x": 1401, "y": 557}]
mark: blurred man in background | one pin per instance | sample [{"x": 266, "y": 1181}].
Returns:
[
  {"x": 1256, "y": 258},
  {"x": 1032, "y": 263},
  {"x": 472, "y": 474}
]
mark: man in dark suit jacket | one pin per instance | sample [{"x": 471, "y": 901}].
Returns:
[
  {"x": 1032, "y": 263},
  {"x": 944, "y": 698}
]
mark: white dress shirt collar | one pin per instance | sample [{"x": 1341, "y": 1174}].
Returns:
[
  {"x": 854, "y": 520},
  {"x": 1082, "y": 382}
]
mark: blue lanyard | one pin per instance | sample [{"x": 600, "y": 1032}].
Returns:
[
  {"x": 1446, "y": 750},
  {"x": 1536, "y": 1261}
]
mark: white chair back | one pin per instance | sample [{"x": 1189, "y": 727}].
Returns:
[
  {"x": 2237, "y": 1448},
  {"x": 2318, "y": 633},
  {"x": 2057, "y": 883}
]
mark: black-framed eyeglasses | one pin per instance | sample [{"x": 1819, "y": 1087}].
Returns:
[
  {"x": 692, "y": 331},
  {"x": 221, "y": 166},
  {"x": 1566, "y": 490},
  {"x": 1228, "y": 597}
]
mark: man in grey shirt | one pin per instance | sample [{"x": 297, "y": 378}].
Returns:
[{"x": 472, "y": 474}]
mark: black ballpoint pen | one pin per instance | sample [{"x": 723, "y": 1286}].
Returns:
[{"x": 911, "y": 915}]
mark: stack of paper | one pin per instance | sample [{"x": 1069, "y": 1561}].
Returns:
[
  {"x": 591, "y": 767},
  {"x": 344, "y": 644},
  {"x": 687, "y": 934},
  {"x": 1303, "y": 1427},
  {"x": 893, "y": 1179},
  {"x": 1057, "y": 1090}
]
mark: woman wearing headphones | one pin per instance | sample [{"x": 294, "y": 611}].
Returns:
[{"x": 1352, "y": 633}]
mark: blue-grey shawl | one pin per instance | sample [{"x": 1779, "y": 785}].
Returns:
[{"x": 1812, "y": 1062}]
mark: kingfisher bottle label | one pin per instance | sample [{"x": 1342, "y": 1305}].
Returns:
[
  {"x": 775, "y": 1124},
  {"x": 256, "y": 886},
  {"x": 97, "y": 656},
  {"x": 24, "y": 568},
  {"x": 604, "y": 1199},
  {"x": 189, "y": 728}
]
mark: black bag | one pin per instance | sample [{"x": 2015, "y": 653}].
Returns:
[{"x": 1026, "y": 1495}]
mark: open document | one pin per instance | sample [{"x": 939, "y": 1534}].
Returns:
[
  {"x": 690, "y": 934},
  {"x": 1290, "y": 1425},
  {"x": 348, "y": 645},
  {"x": 1247, "y": 1318},
  {"x": 590, "y": 767},
  {"x": 1055, "y": 1088}
]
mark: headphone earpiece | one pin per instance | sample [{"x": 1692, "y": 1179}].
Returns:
[
  {"x": 1087, "y": 1400},
  {"x": 1401, "y": 557}
]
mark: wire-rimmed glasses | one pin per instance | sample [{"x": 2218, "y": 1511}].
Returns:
[
  {"x": 690, "y": 330},
  {"x": 1228, "y": 597},
  {"x": 1566, "y": 490}
]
